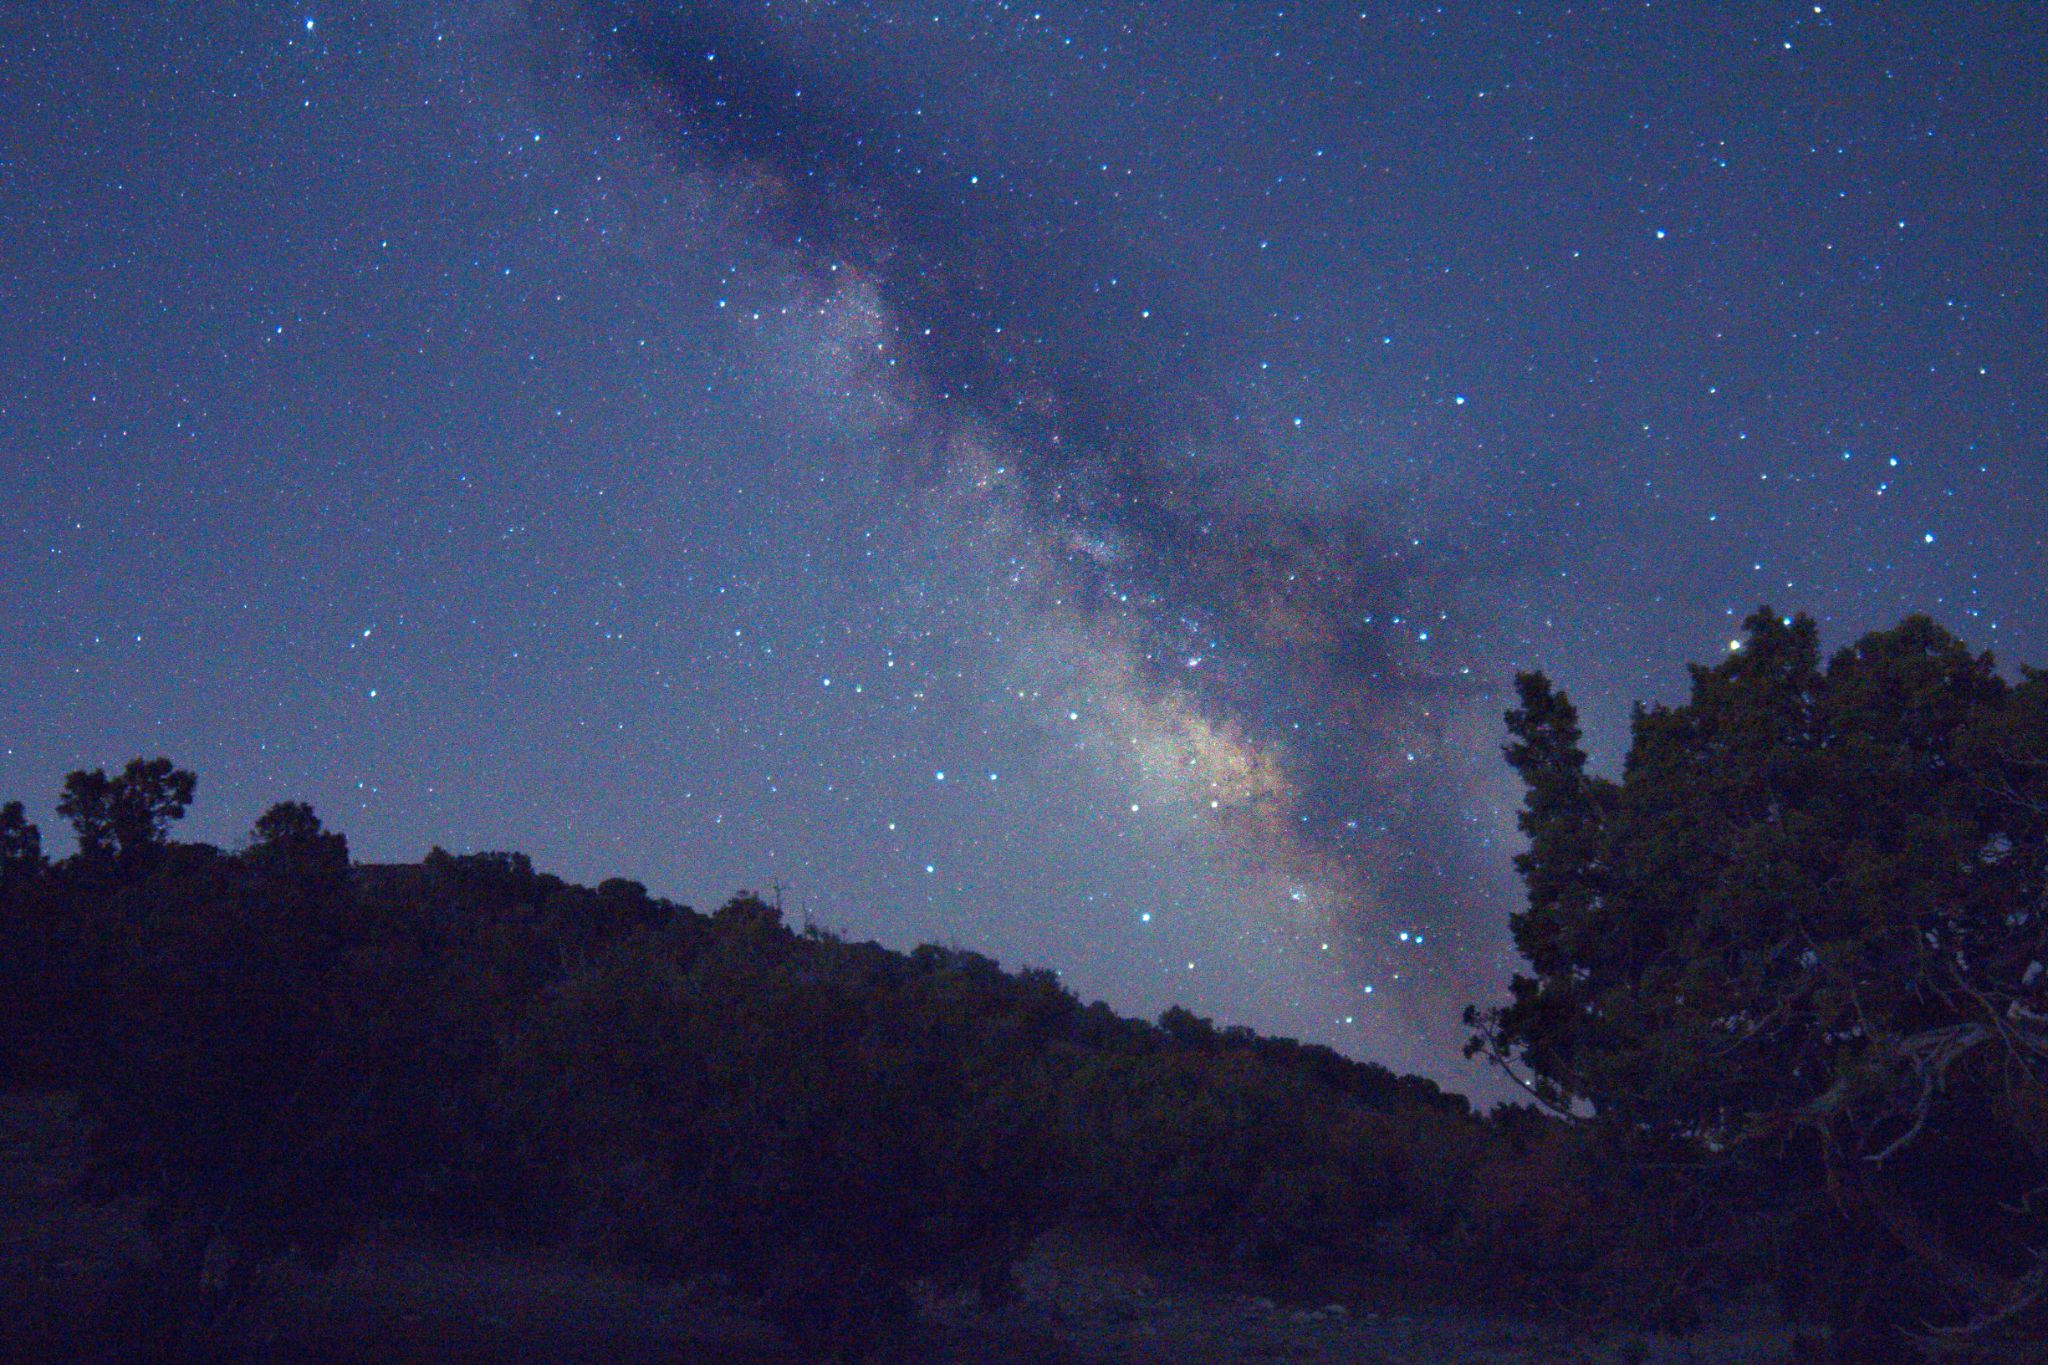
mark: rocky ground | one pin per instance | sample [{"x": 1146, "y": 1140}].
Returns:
[{"x": 416, "y": 1294}]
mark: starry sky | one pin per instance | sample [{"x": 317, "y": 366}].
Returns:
[{"x": 1074, "y": 481}]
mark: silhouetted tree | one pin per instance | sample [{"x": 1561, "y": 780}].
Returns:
[
  {"x": 126, "y": 816},
  {"x": 289, "y": 842},
  {"x": 21, "y": 848},
  {"x": 291, "y": 827},
  {"x": 25, "y": 958},
  {"x": 1804, "y": 935},
  {"x": 251, "y": 1038}
]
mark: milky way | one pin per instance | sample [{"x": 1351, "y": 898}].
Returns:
[
  {"x": 1269, "y": 664},
  {"x": 1073, "y": 480}
]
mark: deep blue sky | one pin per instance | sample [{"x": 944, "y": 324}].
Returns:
[{"x": 664, "y": 439}]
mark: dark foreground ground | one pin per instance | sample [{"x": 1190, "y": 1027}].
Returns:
[{"x": 412, "y": 1294}]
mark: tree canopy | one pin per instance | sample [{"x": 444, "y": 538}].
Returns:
[
  {"x": 129, "y": 814},
  {"x": 1804, "y": 933}
]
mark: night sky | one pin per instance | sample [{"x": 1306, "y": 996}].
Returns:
[{"x": 1072, "y": 481}]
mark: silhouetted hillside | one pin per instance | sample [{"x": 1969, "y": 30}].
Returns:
[
  {"x": 1787, "y": 1001},
  {"x": 273, "y": 1045}
]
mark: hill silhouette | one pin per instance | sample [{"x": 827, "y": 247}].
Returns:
[
  {"x": 1785, "y": 1009},
  {"x": 274, "y": 1047}
]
